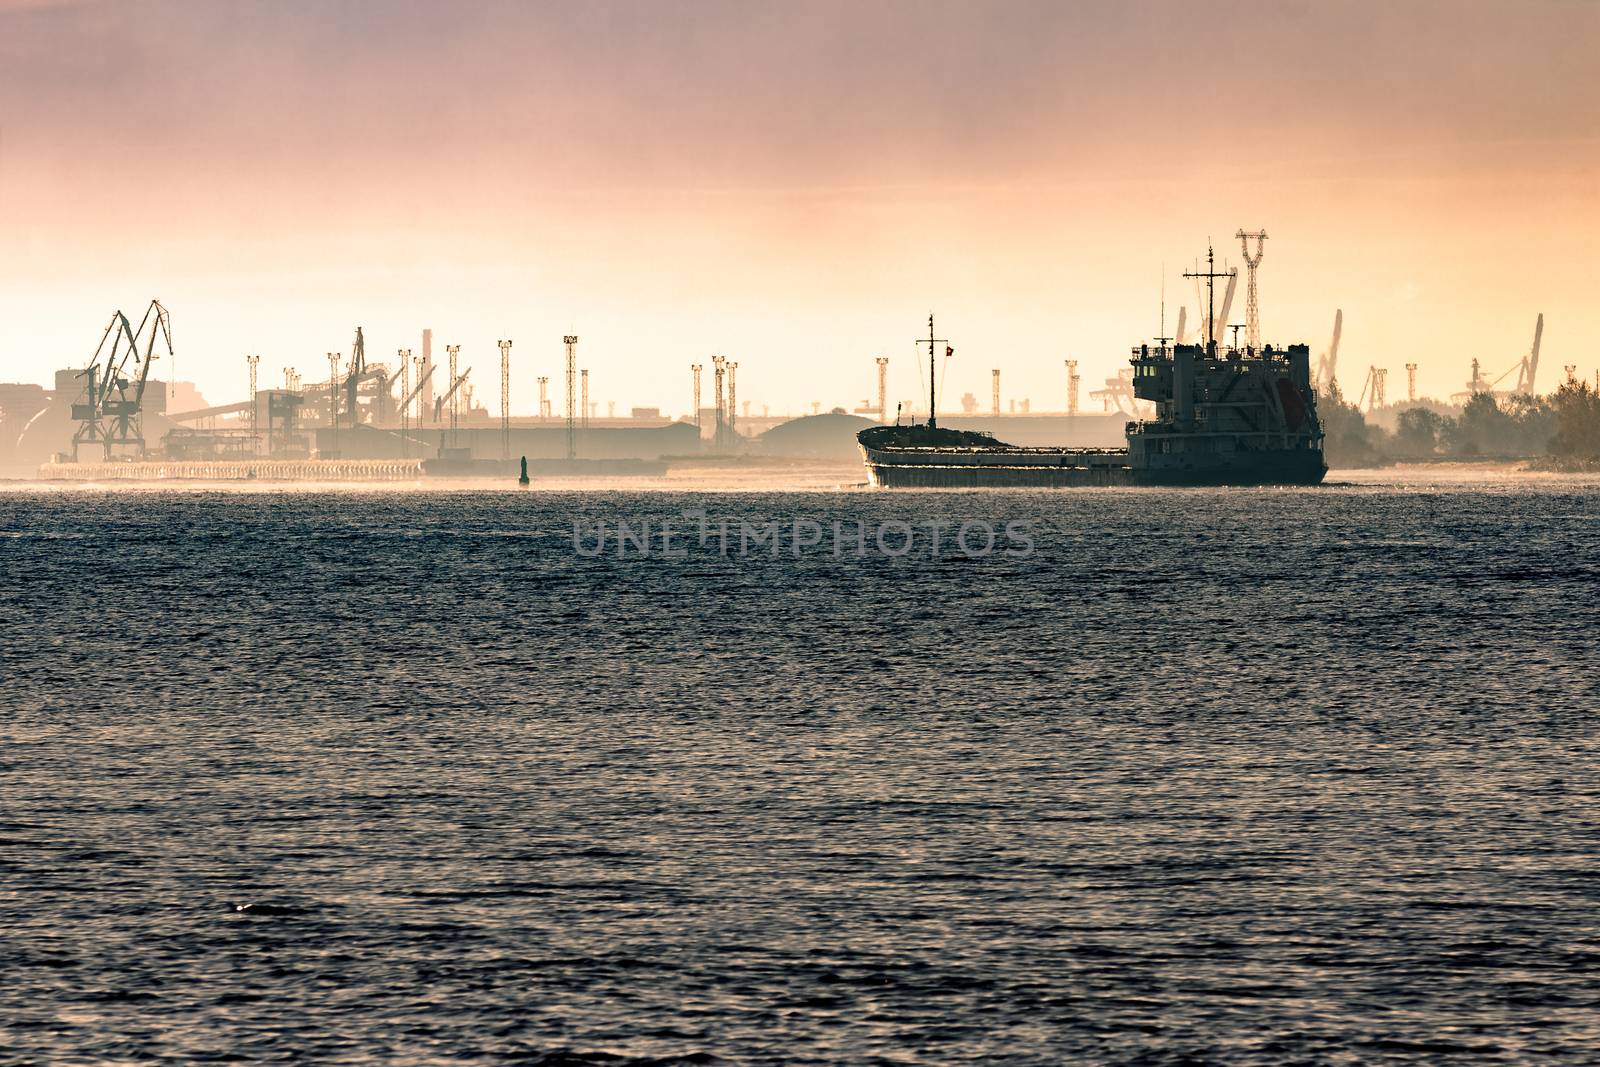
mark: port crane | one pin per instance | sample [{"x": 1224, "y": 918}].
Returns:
[
  {"x": 1373, "y": 390},
  {"x": 110, "y": 412},
  {"x": 1227, "y": 304},
  {"x": 358, "y": 367},
  {"x": 440, "y": 402},
  {"x": 423, "y": 378},
  {"x": 1529, "y": 368},
  {"x": 356, "y": 380},
  {"x": 1326, "y": 377},
  {"x": 1119, "y": 393},
  {"x": 1526, "y": 370}
]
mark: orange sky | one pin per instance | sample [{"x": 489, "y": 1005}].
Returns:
[{"x": 793, "y": 185}]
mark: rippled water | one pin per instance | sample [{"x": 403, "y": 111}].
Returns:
[{"x": 1249, "y": 776}]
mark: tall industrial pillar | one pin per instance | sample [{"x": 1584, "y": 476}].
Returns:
[
  {"x": 695, "y": 367},
  {"x": 719, "y": 367},
  {"x": 883, "y": 388},
  {"x": 417, "y": 363},
  {"x": 1380, "y": 376},
  {"x": 1411, "y": 383},
  {"x": 255, "y": 403},
  {"x": 333, "y": 401},
  {"x": 1072, "y": 386},
  {"x": 505, "y": 401},
  {"x": 584, "y": 374},
  {"x": 455, "y": 395},
  {"x": 544, "y": 398},
  {"x": 404, "y": 356},
  {"x": 571, "y": 341},
  {"x": 733, "y": 403},
  {"x": 425, "y": 398},
  {"x": 996, "y": 387}
]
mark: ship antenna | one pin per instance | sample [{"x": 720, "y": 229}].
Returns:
[
  {"x": 1163, "y": 337},
  {"x": 1210, "y": 276}
]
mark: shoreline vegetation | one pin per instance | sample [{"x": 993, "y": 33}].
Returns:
[{"x": 1559, "y": 433}]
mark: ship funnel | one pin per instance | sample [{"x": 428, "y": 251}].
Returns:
[{"x": 1183, "y": 384}]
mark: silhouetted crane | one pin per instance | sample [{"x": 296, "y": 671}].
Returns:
[{"x": 110, "y": 412}]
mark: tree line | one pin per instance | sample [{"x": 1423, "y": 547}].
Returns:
[{"x": 1563, "y": 429}]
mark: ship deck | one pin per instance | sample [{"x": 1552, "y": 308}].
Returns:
[{"x": 1008, "y": 456}]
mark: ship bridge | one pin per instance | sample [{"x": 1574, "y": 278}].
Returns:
[{"x": 1210, "y": 399}]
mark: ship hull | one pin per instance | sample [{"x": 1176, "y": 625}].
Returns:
[{"x": 1044, "y": 469}]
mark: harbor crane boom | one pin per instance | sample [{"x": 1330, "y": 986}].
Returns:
[
  {"x": 1530, "y": 364},
  {"x": 422, "y": 380},
  {"x": 358, "y": 368},
  {"x": 453, "y": 386},
  {"x": 1227, "y": 304},
  {"x": 1526, "y": 369},
  {"x": 1327, "y": 365}
]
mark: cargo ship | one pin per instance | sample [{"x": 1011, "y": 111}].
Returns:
[{"x": 1223, "y": 416}]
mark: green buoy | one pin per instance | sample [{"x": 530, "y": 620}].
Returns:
[{"x": 522, "y": 479}]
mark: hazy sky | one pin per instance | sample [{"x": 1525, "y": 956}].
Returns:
[{"x": 794, "y": 185}]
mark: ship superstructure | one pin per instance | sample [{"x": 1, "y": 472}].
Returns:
[{"x": 1241, "y": 414}]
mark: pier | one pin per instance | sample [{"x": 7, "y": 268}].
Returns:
[{"x": 239, "y": 470}]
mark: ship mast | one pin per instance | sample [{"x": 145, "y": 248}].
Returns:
[
  {"x": 933, "y": 398},
  {"x": 1210, "y": 275}
]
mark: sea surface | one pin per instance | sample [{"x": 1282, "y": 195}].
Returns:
[{"x": 379, "y": 777}]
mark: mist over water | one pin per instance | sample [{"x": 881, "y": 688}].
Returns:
[{"x": 1243, "y": 775}]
